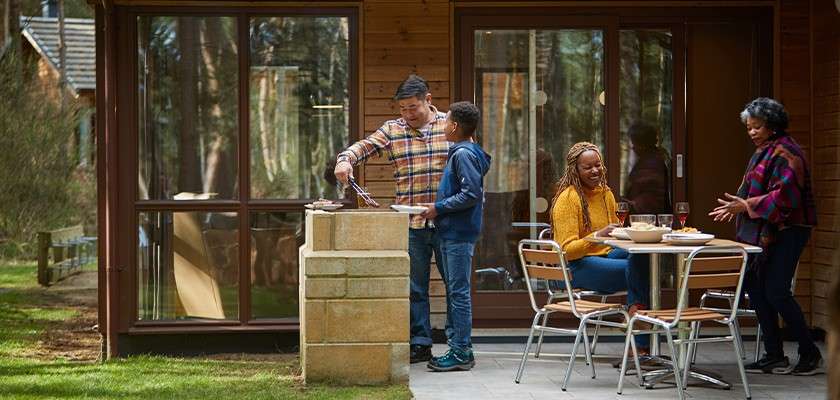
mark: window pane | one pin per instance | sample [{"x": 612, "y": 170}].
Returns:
[
  {"x": 275, "y": 239},
  {"x": 646, "y": 100},
  {"x": 529, "y": 133},
  {"x": 187, "y": 105},
  {"x": 300, "y": 105},
  {"x": 188, "y": 266}
]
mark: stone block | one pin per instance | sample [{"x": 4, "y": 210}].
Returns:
[
  {"x": 377, "y": 287},
  {"x": 325, "y": 288},
  {"x": 400, "y": 355},
  {"x": 370, "y": 231},
  {"x": 319, "y": 230},
  {"x": 312, "y": 321},
  {"x": 356, "y": 263},
  {"x": 371, "y": 363},
  {"x": 361, "y": 321}
]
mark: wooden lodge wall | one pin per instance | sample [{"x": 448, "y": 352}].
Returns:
[
  {"x": 414, "y": 36},
  {"x": 825, "y": 70}
]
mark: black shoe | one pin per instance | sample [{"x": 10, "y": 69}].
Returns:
[
  {"x": 810, "y": 364},
  {"x": 766, "y": 365},
  {"x": 420, "y": 353}
]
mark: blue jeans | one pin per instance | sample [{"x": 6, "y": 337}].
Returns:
[
  {"x": 457, "y": 267},
  {"x": 768, "y": 283},
  {"x": 421, "y": 244},
  {"x": 617, "y": 271}
]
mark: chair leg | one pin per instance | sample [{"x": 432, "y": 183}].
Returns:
[
  {"x": 737, "y": 330},
  {"x": 574, "y": 354},
  {"x": 675, "y": 364},
  {"x": 588, "y": 350},
  {"x": 597, "y": 327},
  {"x": 527, "y": 348},
  {"x": 540, "y": 339},
  {"x": 628, "y": 339},
  {"x": 697, "y": 334},
  {"x": 691, "y": 349},
  {"x": 757, "y": 341},
  {"x": 739, "y": 357}
]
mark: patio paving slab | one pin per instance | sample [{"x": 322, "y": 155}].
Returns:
[{"x": 496, "y": 364}]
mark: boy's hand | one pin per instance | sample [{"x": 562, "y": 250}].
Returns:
[{"x": 430, "y": 212}]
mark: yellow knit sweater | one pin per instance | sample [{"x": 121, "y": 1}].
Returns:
[{"x": 567, "y": 221}]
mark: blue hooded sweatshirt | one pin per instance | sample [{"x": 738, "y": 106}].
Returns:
[{"x": 460, "y": 196}]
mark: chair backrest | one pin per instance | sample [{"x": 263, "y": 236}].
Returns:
[
  {"x": 545, "y": 234},
  {"x": 713, "y": 272},
  {"x": 544, "y": 259}
]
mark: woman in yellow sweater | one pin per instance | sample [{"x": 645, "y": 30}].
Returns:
[{"x": 585, "y": 205}]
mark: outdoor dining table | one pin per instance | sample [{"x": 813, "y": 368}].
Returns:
[{"x": 655, "y": 250}]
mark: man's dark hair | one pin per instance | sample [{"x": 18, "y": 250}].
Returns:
[
  {"x": 413, "y": 86},
  {"x": 466, "y": 114},
  {"x": 643, "y": 135}
]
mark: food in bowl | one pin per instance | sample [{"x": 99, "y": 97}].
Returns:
[{"x": 646, "y": 233}]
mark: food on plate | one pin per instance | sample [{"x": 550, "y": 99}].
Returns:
[
  {"x": 687, "y": 229},
  {"x": 323, "y": 202}
]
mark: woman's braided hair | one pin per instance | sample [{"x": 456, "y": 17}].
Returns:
[{"x": 571, "y": 177}]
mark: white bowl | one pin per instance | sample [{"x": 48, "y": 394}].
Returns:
[{"x": 646, "y": 235}]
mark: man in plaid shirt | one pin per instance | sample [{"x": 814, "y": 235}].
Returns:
[{"x": 416, "y": 146}]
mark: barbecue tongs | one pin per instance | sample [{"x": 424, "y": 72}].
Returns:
[{"x": 362, "y": 193}]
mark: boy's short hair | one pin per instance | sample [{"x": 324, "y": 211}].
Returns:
[
  {"x": 413, "y": 86},
  {"x": 466, "y": 114}
]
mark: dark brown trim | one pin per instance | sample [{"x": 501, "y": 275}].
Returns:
[
  {"x": 679, "y": 133},
  {"x": 244, "y": 153},
  {"x": 142, "y": 330},
  {"x": 612, "y": 111}
]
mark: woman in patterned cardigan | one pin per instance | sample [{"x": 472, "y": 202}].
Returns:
[{"x": 774, "y": 209}]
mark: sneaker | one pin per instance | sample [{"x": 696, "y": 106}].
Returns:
[
  {"x": 767, "y": 364},
  {"x": 810, "y": 364},
  {"x": 453, "y": 360},
  {"x": 420, "y": 353}
]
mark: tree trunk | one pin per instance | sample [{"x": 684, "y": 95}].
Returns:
[{"x": 11, "y": 26}]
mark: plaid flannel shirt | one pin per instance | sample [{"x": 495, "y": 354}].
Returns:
[{"x": 418, "y": 158}]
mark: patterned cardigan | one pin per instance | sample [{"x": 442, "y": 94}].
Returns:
[{"x": 777, "y": 188}]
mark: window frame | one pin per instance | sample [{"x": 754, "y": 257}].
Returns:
[{"x": 131, "y": 207}]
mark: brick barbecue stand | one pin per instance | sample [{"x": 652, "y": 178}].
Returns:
[{"x": 354, "y": 313}]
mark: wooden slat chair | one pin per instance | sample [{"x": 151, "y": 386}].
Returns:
[
  {"x": 545, "y": 234},
  {"x": 544, "y": 260},
  {"x": 700, "y": 273},
  {"x": 743, "y": 312}
]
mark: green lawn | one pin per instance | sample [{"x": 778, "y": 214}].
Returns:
[{"x": 26, "y": 311}]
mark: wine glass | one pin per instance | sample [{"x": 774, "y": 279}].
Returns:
[
  {"x": 682, "y": 212},
  {"x": 622, "y": 209}
]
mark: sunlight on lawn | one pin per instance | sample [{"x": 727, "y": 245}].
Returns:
[{"x": 26, "y": 311}]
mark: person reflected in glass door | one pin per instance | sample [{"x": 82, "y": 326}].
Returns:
[
  {"x": 583, "y": 206},
  {"x": 649, "y": 181}
]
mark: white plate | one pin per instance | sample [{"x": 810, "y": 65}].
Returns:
[
  {"x": 326, "y": 207},
  {"x": 408, "y": 209},
  {"x": 619, "y": 233},
  {"x": 687, "y": 239}
]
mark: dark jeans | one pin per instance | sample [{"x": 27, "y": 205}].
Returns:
[
  {"x": 422, "y": 243},
  {"x": 768, "y": 284},
  {"x": 617, "y": 271},
  {"x": 457, "y": 267}
]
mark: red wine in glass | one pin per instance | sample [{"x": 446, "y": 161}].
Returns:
[
  {"x": 622, "y": 209},
  {"x": 622, "y": 215},
  {"x": 682, "y": 213}
]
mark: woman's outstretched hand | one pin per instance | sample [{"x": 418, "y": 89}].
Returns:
[{"x": 729, "y": 208}]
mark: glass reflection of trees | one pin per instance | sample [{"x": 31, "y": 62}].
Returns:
[
  {"x": 187, "y": 107},
  {"x": 300, "y": 104},
  {"x": 569, "y": 108}
]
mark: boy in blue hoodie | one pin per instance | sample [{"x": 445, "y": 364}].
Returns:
[{"x": 457, "y": 215}]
